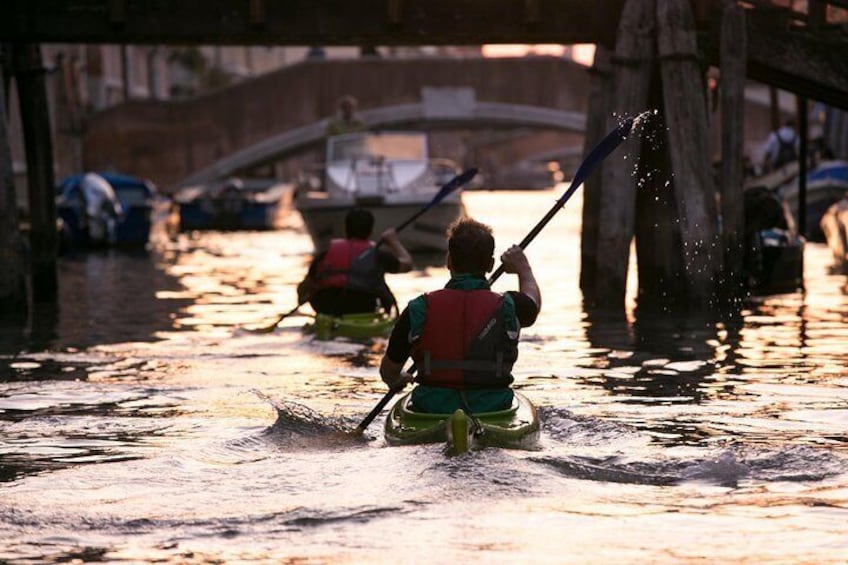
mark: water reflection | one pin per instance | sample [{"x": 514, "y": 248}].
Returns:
[{"x": 138, "y": 407}]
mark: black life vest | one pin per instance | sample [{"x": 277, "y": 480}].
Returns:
[{"x": 464, "y": 342}]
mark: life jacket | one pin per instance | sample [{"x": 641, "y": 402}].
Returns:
[
  {"x": 466, "y": 339},
  {"x": 352, "y": 264}
]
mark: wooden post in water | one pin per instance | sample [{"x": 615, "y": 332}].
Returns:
[
  {"x": 734, "y": 46},
  {"x": 662, "y": 286},
  {"x": 686, "y": 118},
  {"x": 32, "y": 94},
  {"x": 600, "y": 103},
  {"x": 631, "y": 64},
  {"x": 13, "y": 301}
]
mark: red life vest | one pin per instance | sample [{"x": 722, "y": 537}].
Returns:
[
  {"x": 464, "y": 342},
  {"x": 352, "y": 264}
]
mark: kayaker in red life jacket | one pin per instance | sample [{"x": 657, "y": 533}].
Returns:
[
  {"x": 464, "y": 338},
  {"x": 348, "y": 278}
]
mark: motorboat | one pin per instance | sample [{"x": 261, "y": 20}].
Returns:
[
  {"x": 234, "y": 204},
  {"x": 774, "y": 252},
  {"x": 104, "y": 209},
  {"x": 826, "y": 184},
  {"x": 387, "y": 173}
]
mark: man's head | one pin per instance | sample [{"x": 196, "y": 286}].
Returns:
[
  {"x": 347, "y": 106},
  {"x": 359, "y": 224},
  {"x": 471, "y": 247}
]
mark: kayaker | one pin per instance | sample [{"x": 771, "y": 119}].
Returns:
[
  {"x": 348, "y": 278},
  {"x": 464, "y": 338}
]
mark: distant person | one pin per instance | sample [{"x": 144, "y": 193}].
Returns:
[
  {"x": 781, "y": 147},
  {"x": 345, "y": 121},
  {"x": 464, "y": 337},
  {"x": 101, "y": 210},
  {"x": 348, "y": 278}
]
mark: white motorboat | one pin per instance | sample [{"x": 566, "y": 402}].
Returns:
[{"x": 388, "y": 173}]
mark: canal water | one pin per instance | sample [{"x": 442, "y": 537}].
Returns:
[{"x": 140, "y": 422}]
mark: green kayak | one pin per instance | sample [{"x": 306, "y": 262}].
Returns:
[
  {"x": 354, "y": 326},
  {"x": 516, "y": 427}
]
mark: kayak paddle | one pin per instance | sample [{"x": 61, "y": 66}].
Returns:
[
  {"x": 452, "y": 185},
  {"x": 606, "y": 146}
]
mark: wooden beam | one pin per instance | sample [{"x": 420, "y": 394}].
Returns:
[
  {"x": 793, "y": 58},
  {"x": 32, "y": 97},
  {"x": 307, "y": 22},
  {"x": 686, "y": 119},
  {"x": 13, "y": 300},
  {"x": 734, "y": 47},
  {"x": 631, "y": 66}
]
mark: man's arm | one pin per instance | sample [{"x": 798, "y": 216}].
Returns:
[
  {"x": 514, "y": 261},
  {"x": 397, "y": 351},
  {"x": 392, "y": 241},
  {"x": 309, "y": 286}
]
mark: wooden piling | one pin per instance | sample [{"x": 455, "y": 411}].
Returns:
[
  {"x": 631, "y": 64},
  {"x": 599, "y": 107},
  {"x": 733, "y": 57},
  {"x": 662, "y": 285},
  {"x": 686, "y": 118},
  {"x": 35, "y": 116},
  {"x": 13, "y": 302}
]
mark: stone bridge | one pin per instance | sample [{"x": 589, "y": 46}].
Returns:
[{"x": 261, "y": 120}]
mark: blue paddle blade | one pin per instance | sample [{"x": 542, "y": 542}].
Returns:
[
  {"x": 459, "y": 180},
  {"x": 606, "y": 146}
]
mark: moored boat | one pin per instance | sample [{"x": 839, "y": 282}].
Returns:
[
  {"x": 516, "y": 427},
  {"x": 826, "y": 184},
  {"x": 354, "y": 326},
  {"x": 387, "y": 173},
  {"x": 130, "y": 223},
  {"x": 234, "y": 204},
  {"x": 834, "y": 224},
  {"x": 774, "y": 252}
]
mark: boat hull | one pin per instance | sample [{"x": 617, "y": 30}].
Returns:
[
  {"x": 834, "y": 224},
  {"x": 259, "y": 205},
  {"x": 515, "y": 428},
  {"x": 324, "y": 219}
]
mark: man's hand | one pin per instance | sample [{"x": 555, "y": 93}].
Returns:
[
  {"x": 391, "y": 239},
  {"x": 393, "y": 375},
  {"x": 514, "y": 260}
]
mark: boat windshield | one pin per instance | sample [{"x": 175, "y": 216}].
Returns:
[{"x": 395, "y": 146}]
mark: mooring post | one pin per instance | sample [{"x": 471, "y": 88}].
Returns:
[
  {"x": 35, "y": 116},
  {"x": 13, "y": 302},
  {"x": 631, "y": 64},
  {"x": 803, "y": 159},
  {"x": 733, "y": 56},
  {"x": 686, "y": 118},
  {"x": 599, "y": 107}
]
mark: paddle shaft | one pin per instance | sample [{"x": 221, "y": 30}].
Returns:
[{"x": 598, "y": 153}]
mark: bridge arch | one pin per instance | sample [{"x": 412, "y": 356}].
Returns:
[
  {"x": 170, "y": 141},
  {"x": 416, "y": 116}
]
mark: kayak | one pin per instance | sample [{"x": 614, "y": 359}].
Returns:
[
  {"x": 516, "y": 427},
  {"x": 354, "y": 326}
]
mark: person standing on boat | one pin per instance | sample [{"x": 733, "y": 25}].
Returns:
[
  {"x": 346, "y": 120},
  {"x": 464, "y": 337},
  {"x": 348, "y": 278},
  {"x": 781, "y": 147}
]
